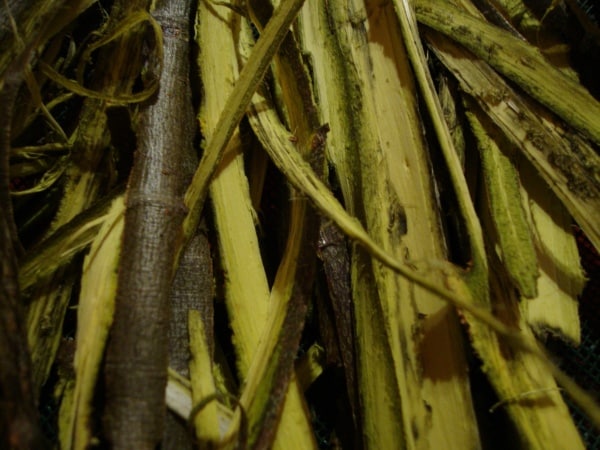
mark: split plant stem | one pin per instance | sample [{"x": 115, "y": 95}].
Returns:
[{"x": 235, "y": 108}]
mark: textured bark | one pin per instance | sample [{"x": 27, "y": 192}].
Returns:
[
  {"x": 333, "y": 252},
  {"x": 137, "y": 355},
  {"x": 192, "y": 289}
]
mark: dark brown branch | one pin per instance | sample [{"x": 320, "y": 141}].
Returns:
[
  {"x": 18, "y": 413},
  {"x": 118, "y": 64},
  {"x": 136, "y": 361},
  {"x": 333, "y": 252}
]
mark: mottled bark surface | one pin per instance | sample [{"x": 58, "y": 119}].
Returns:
[
  {"x": 137, "y": 355},
  {"x": 192, "y": 289}
]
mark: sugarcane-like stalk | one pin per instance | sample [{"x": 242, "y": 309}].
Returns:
[{"x": 137, "y": 352}]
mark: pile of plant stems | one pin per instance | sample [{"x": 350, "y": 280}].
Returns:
[{"x": 294, "y": 224}]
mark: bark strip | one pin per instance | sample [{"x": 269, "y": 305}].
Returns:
[
  {"x": 136, "y": 361},
  {"x": 333, "y": 252}
]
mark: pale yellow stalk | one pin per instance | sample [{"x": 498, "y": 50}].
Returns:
[
  {"x": 206, "y": 418},
  {"x": 247, "y": 291},
  {"x": 94, "y": 317},
  {"x": 555, "y": 309},
  {"x": 564, "y": 161},
  {"x": 376, "y": 143}
]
